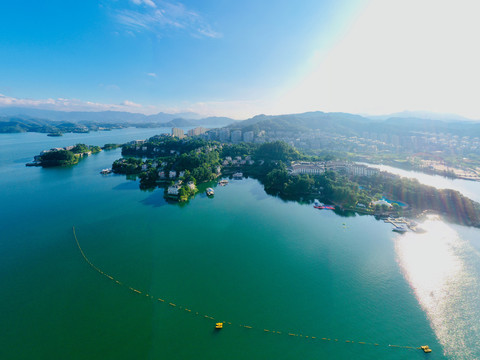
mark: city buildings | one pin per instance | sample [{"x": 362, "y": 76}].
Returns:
[
  {"x": 196, "y": 131},
  {"x": 176, "y": 132}
]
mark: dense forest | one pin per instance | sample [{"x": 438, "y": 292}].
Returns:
[{"x": 66, "y": 157}]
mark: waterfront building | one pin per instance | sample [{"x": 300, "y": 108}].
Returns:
[
  {"x": 361, "y": 170},
  {"x": 191, "y": 185},
  {"x": 382, "y": 202},
  {"x": 312, "y": 168},
  {"x": 174, "y": 189},
  {"x": 172, "y": 174}
]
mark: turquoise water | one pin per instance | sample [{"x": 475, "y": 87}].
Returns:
[{"x": 242, "y": 256}]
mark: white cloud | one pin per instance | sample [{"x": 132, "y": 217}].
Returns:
[
  {"x": 69, "y": 104},
  {"x": 152, "y": 75},
  {"x": 240, "y": 109},
  {"x": 146, "y": 2},
  {"x": 159, "y": 16},
  {"x": 398, "y": 55},
  {"x": 236, "y": 109},
  {"x": 129, "y": 103}
]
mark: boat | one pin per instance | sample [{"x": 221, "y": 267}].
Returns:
[
  {"x": 209, "y": 192},
  {"x": 402, "y": 228},
  {"x": 106, "y": 171},
  {"x": 318, "y": 205},
  {"x": 223, "y": 182},
  {"x": 238, "y": 176}
]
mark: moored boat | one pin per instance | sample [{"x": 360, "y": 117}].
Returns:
[
  {"x": 318, "y": 205},
  {"x": 209, "y": 192},
  {"x": 402, "y": 228}
]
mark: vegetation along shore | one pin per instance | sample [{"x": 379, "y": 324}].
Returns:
[{"x": 168, "y": 162}]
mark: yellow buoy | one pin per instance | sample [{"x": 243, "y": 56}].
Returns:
[
  {"x": 219, "y": 325},
  {"x": 426, "y": 349}
]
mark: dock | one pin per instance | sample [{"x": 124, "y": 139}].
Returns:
[{"x": 397, "y": 222}]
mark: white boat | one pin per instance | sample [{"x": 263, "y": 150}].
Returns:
[
  {"x": 210, "y": 192},
  {"x": 402, "y": 228}
]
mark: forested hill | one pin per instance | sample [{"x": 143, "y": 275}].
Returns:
[
  {"x": 351, "y": 125},
  {"x": 77, "y": 123}
]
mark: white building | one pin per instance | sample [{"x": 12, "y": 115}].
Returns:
[
  {"x": 176, "y": 132},
  {"x": 191, "y": 185},
  {"x": 174, "y": 189},
  {"x": 236, "y": 136},
  {"x": 197, "y": 131},
  {"x": 362, "y": 170},
  {"x": 312, "y": 168},
  {"x": 224, "y": 134},
  {"x": 172, "y": 174},
  {"x": 248, "y": 136}
]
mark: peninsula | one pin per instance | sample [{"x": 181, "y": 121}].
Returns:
[{"x": 170, "y": 162}]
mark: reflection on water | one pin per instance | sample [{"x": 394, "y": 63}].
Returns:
[{"x": 443, "y": 270}]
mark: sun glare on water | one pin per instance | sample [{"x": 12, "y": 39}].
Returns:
[{"x": 443, "y": 271}]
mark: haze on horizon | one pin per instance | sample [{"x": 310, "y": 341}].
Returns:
[{"x": 240, "y": 59}]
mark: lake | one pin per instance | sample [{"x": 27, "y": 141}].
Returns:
[{"x": 242, "y": 257}]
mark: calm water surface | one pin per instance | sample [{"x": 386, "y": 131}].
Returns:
[
  {"x": 243, "y": 257},
  {"x": 467, "y": 187}
]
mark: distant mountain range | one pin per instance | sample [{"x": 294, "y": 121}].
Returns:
[
  {"x": 93, "y": 116},
  {"x": 426, "y": 115},
  {"x": 354, "y": 125},
  {"x": 17, "y": 119}
]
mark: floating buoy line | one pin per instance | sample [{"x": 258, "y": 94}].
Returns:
[{"x": 221, "y": 324}]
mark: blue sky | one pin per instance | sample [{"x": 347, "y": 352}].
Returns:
[{"x": 213, "y": 57}]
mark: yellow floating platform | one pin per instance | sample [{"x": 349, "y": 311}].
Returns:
[
  {"x": 219, "y": 325},
  {"x": 426, "y": 349}
]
